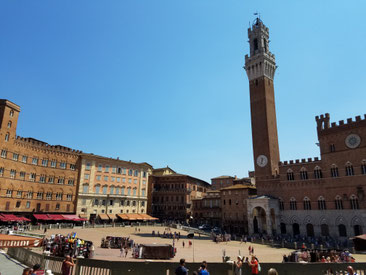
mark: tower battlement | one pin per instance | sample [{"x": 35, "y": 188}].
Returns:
[
  {"x": 298, "y": 161},
  {"x": 323, "y": 123},
  {"x": 44, "y": 145}
]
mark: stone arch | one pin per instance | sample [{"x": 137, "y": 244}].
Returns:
[
  {"x": 340, "y": 220},
  {"x": 323, "y": 220},
  {"x": 294, "y": 219},
  {"x": 356, "y": 220},
  {"x": 259, "y": 220},
  {"x": 308, "y": 219}
]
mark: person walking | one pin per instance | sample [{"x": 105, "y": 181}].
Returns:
[{"x": 181, "y": 269}]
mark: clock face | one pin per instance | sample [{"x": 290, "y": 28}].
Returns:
[
  {"x": 353, "y": 141},
  {"x": 262, "y": 160}
]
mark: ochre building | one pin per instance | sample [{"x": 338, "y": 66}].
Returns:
[
  {"x": 311, "y": 196},
  {"x": 34, "y": 176}
]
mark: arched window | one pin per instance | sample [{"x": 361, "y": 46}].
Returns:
[
  {"x": 338, "y": 203},
  {"x": 281, "y": 204},
  {"x": 85, "y": 188},
  {"x": 97, "y": 189},
  {"x": 129, "y": 191},
  {"x": 7, "y": 137},
  {"x": 105, "y": 187},
  {"x": 363, "y": 167},
  {"x": 143, "y": 192},
  {"x": 11, "y": 114},
  {"x": 122, "y": 190},
  {"x": 318, "y": 172},
  {"x": 321, "y": 203},
  {"x": 334, "y": 171},
  {"x": 134, "y": 191},
  {"x": 349, "y": 169},
  {"x": 290, "y": 175},
  {"x": 354, "y": 202},
  {"x": 111, "y": 190},
  {"x": 307, "y": 204},
  {"x": 293, "y": 204},
  {"x": 342, "y": 230},
  {"x": 9, "y": 124},
  {"x": 304, "y": 173},
  {"x": 117, "y": 190}
]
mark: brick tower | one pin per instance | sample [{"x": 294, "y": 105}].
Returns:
[{"x": 260, "y": 67}]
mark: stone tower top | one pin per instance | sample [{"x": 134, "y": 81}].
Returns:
[{"x": 261, "y": 61}]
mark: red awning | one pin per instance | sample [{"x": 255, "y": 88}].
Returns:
[
  {"x": 41, "y": 217},
  {"x": 56, "y": 217},
  {"x": 73, "y": 218},
  {"x": 24, "y": 219},
  {"x": 11, "y": 217}
]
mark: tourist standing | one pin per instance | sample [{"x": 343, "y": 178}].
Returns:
[
  {"x": 203, "y": 270},
  {"x": 351, "y": 271},
  {"x": 67, "y": 264},
  {"x": 254, "y": 265},
  {"x": 272, "y": 271},
  {"x": 181, "y": 270},
  {"x": 238, "y": 266}
]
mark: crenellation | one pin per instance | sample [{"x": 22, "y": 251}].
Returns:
[
  {"x": 358, "y": 118},
  {"x": 349, "y": 120},
  {"x": 333, "y": 124},
  {"x": 297, "y": 161},
  {"x": 291, "y": 162},
  {"x": 341, "y": 122}
]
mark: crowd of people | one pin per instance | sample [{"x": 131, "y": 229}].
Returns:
[
  {"x": 116, "y": 242},
  {"x": 69, "y": 245},
  {"x": 323, "y": 256}
]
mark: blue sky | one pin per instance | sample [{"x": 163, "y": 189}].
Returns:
[{"x": 162, "y": 81}]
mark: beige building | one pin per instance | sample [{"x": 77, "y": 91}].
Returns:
[{"x": 111, "y": 186}]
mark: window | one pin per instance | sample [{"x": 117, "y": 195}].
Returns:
[
  {"x": 129, "y": 180},
  {"x": 144, "y": 182},
  {"x": 53, "y": 163},
  {"x": 22, "y": 175},
  {"x": 59, "y": 196},
  {"x": 9, "y": 124},
  {"x": 332, "y": 148},
  {"x": 99, "y": 177},
  {"x": 3, "y": 153},
  {"x": 9, "y": 193},
  {"x": 354, "y": 202},
  {"x": 17, "y": 205},
  {"x": 61, "y": 180},
  {"x": 135, "y": 181},
  {"x": 113, "y": 179},
  {"x": 321, "y": 203},
  {"x": 304, "y": 174},
  {"x": 39, "y": 195},
  {"x": 124, "y": 171},
  {"x": 51, "y": 179},
  {"x": 113, "y": 169},
  {"x": 143, "y": 192},
  {"x": 318, "y": 172},
  {"x": 290, "y": 175},
  {"x": 69, "y": 197},
  {"x": 19, "y": 194},
  {"x": 127, "y": 203},
  {"x": 24, "y": 159},
  {"x": 111, "y": 202},
  {"x": 142, "y": 203},
  {"x": 334, "y": 171},
  {"x": 117, "y": 190},
  {"x": 144, "y": 174},
  {"x": 105, "y": 189},
  {"x": 35, "y": 161},
  {"x": 57, "y": 207},
  {"x": 49, "y": 196},
  {"x": 11, "y": 114},
  {"x": 63, "y": 165},
  {"x": 42, "y": 178},
  {"x": 97, "y": 189},
  {"x": 122, "y": 190},
  {"x": 363, "y": 167},
  {"x": 1, "y": 171},
  {"x": 85, "y": 188},
  {"x": 27, "y": 204},
  {"x": 338, "y": 203},
  {"x": 29, "y": 195},
  {"x": 15, "y": 157},
  {"x": 86, "y": 176},
  {"x": 105, "y": 178},
  {"x": 106, "y": 169},
  {"x": 130, "y": 172},
  {"x": 100, "y": 168},
  {"x": 293, "y": 204},
  {"x": 45, "y": 162},
  {"x": 32, "y": 176},
  {"x": 349, "y": 169},
  {"x": 118, "y": 179},
  {"x": 129, "y": 191},
  {"x": 307, "y": 204},
  {"x": 111, "y": 190},
  {"x": 12, "y": 173},
  {"x": 134, "y": 191},
  {"x": 88, "y": 166},
  {"x": 72, "y": 167},
  {"x": 136, "y": 173},
  {"x": 70, "y": 182}
]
